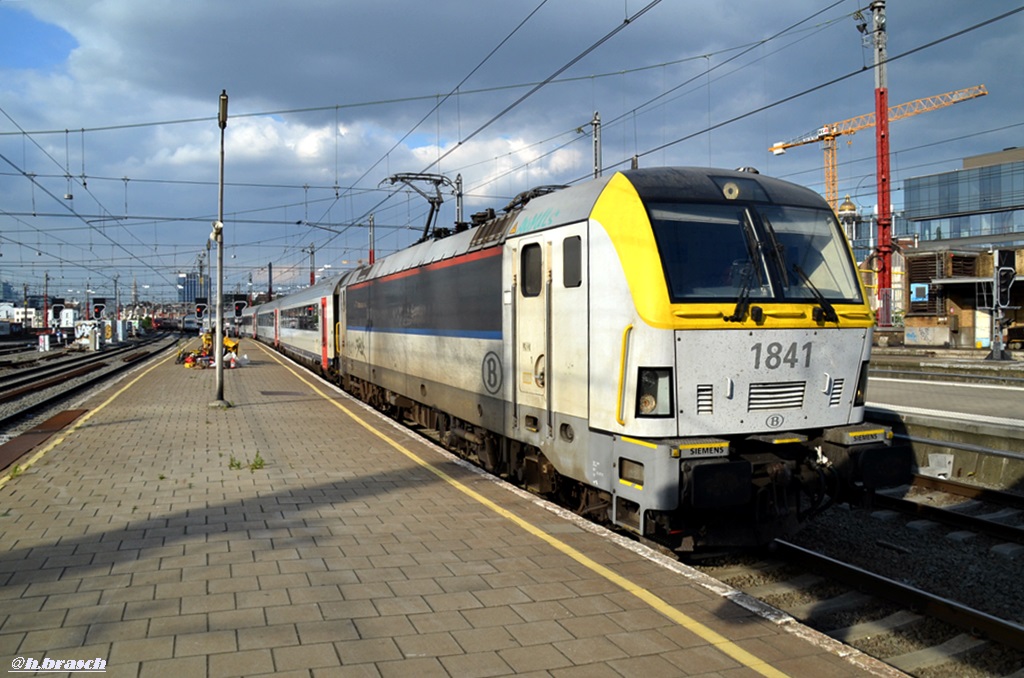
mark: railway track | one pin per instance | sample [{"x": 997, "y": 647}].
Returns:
[
  {"x": 953, "y": 374},
  {"x": 975, "y": 510},
  {"x": 8, "y": 350},
  {"x": 977, "y": 629},
  {"x": 29, "y": 404},
  {"x": 915, "y": 630},
  {"x": 928, "y": 582},
  {"x": 918, "y": 632},
  {"x": 21, "y": 381}
]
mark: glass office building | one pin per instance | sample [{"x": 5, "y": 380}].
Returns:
[
  {"x": 959, "y": 221},
  {"x": 191, "y": 286},
  {"x": 981, "y": 204}
]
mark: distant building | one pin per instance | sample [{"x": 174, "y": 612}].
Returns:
[
  {"x": 944, "y": 290},
  {"x": 192, "y": 285},
  {"x": 957, "y": 221},
  {"x": 979, "y": 205},
  {"x": 25, "y": 317}
]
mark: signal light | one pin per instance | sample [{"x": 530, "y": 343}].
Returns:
[
  {"x": 1005, "y": 278},
  {"x": 1006, "y": 273},
  {"x": 97, "y": 310}
]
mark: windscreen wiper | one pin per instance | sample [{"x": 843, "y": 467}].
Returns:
[
  {"x": 754, "y": 253},
  {"x": 743, "y": 300},
  {"x": 776, "y": 248},
  {"x": 824, "y": 310}
]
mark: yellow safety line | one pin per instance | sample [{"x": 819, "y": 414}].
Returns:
[
  {"x": 713, "y": 637},
  {"x": 81, "y": 422}
]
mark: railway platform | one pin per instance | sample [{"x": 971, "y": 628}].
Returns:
[{"x": 297, "y": 533}]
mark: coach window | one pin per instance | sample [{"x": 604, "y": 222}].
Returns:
[
  {"x": 532, "y": 270},
  {"x": 572, "y": 262}
]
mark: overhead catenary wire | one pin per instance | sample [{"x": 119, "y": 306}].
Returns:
[
  {"x": 339, "y": 224},
  {"x": 626, "y": 22},
  {"x": 744, "y": 48},
  {"x": 833, "y": 81},
  {"x": 536, "y": 87}
]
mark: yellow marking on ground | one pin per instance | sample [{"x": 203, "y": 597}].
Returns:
[
  {"x": 80, "y": 422},
  {"x": 713, "y": 637}
]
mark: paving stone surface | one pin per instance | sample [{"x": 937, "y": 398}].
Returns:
[{"x": 278, "y": 536}]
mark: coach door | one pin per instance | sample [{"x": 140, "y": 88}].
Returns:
[
  {"x": 324, "y": 321},
  {"x": 533, "y": 307}
]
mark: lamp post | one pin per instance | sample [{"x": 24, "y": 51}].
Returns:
[{"x": 218, "y": 235}]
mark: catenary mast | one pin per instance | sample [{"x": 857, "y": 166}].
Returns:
[{"x": 884, "y": 279}]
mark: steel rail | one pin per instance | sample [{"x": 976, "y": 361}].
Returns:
[
  {"x": 51, "y": 401},
  {"x": 961, "y": 616},
  {"x": 964, "y": 377},
  {"x": 950, "y": 517},
  {"x": 1008, "y": 499},
  {"x": 28, "y": 375}
]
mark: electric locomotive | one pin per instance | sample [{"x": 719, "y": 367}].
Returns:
[{"x": 678, "y": 352}]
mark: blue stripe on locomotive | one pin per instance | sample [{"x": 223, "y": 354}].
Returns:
[{"x": 421, "y": 301}]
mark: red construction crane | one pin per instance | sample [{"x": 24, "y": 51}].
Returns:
[{"x": 827, "y": 134}]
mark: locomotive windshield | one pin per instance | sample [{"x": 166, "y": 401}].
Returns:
[{"x": 760, "y": 252}]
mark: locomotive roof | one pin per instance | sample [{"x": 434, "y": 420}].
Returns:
[
  {"x": 565, "y": 206},
  {"x": 665, "y": 184},
  {"x": 654, "y": 185}
]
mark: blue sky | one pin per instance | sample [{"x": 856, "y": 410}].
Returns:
[
  {"x": 28, "y": 43},
  {"x": 114, "y": 102}
]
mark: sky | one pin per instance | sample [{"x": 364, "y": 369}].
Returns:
[{"x": 110, "y": 143}]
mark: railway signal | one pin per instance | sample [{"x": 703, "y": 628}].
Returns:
[
  {"x": 241, "y": 302},
  {"x": 1006, "y": 273},
  {"x": 201, "y": 306},
  {"x": 97, "y": 307}
]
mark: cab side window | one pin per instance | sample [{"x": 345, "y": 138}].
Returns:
[
  {"x": 572, "y": 262},
  {"x": 532, "y": 270}
]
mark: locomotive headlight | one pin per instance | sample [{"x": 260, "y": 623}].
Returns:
[
  {"x": 861, "y": 396},
  {"x": 654, "y": 392}
]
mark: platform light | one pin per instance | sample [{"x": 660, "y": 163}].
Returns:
[{"x": 218, "y": 235}]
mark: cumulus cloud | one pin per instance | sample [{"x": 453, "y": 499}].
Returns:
[{"x": 328, "y": 99}]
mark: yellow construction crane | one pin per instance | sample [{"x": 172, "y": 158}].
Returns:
[{"x": 827, "y": 133}]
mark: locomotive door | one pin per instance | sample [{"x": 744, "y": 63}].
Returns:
[{"x": 533, "y": 307}]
